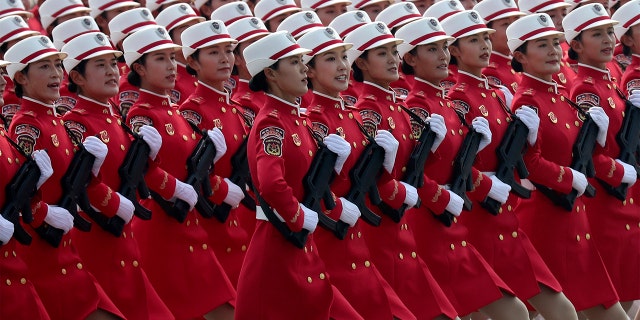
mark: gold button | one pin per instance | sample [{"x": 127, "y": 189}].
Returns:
[
  {"x": 118, "y": 121},
  {"x": 169, "y": 112},
  {"x": 352, "y": 235},
  {"x": 631, "y": 200},
  {"x": 66, "y": 151},
  {"x": 6, "y": 254},
  {"x": 243, "y": 248},
  {"x": 188, "y": 223},
  {"x": 124, "y": 235},
  {"x": 122, "y": 147},
  {"x": 578, "y": 237},
  {"x": 14, "y": 252},
  {"x": 453, "y": 132},
  {"x": 23, "y": 281},
  {"x": 322, "y": 276},
  {"x": 223, "y": 109},
  {"x": 17, "y": 161},
  {"x": 391, "y": 108},
  {"x": 628, "y": 227},
  {"x": 310, "y": 153},
  {"x": 483, "y": 95},
  {"x": 509, "y": 207},
  {"x": 404, "y": 136},
  {"x": 135, "y": 263},
  {"x": 204, "y": 246},
  {"x": 184, "y": 137},
  {"x": 309, "y": 279},
  {"x": 54, "y": 123},
  {"x": 624, "y": 202},
  {"x": 608, "y": 86},
  {"x": 501, "y": 237},
  {"x": 305, "y": 250},
  {"x": 64, "y": 243},
  {"x": 122, "y": 263},
  {"x": 350, "y": 116},
  {"x": 455, "y": 219},
  {"x": 464, "y": 243},
  {"x": 514, "y": 234},
  {"x": 553, "y": 99},
  {"x": 64, "y": 271},
  {"x": 340, "y": 116},
  {"x": 353, "y": 266},
  {"x": 229, "y": 249},
  {"x": 500, "y": 210},
  {"x": 8, "y": 282},
  {"x": 297, "y": 123},
  {"x": 452, "y": 246},
  {"x": 109, "y": 120},
  {"x": 234, "y": 110},
  {"x": 304, "y": 122},
  {"x": 499, "y": 121},
  {"x": 401, "y": 256},
  {"x": 79, "y": 266},
  {"x": 235, "y": 137},
  {"x": 364, "y": 142},
  {"x": 561, "y": 98},
  {"x": 197, "y": 221},
  {"x": 367, "y": 264},
  {"x": 190, "y": 248},
  {"x": 359, "y": 234},
  {"x": 414, "y": 254},
  {"x": 577, "y": 208},
  {"x": 587, "y": 236},
  {"x": 10, "y": 160},
  {"x": 576, "y": 123}
]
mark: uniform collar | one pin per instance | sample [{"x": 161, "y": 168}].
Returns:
[
  {"x": 542, "y": 83},
  {"x": 40, "y": 103},
  {"x": 594, "y": 72},
  {"x": 106, "y": 106},
  {"x": 282, "y": 101},
  {"x": 388, "y": 93},
  {"x": 428, "y": 86},
  {"x": 325, "y": 100},
  {"x": 154, "y": 96},
  {"x": 480, "y": 80},
  {"x": 224, "y": 93}
]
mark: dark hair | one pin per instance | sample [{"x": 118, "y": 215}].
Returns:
[
  {"x": 517, "y": 66},
  {"x": 133, "y": 77},
  {"x": 453, "y": 60},
  {"x": 626, "y": 50},
  {"x": 4, "y": 47},
  {"x": 259, "y": 81},
  {"x": 195, "y": 56},
  {"x": 18, "y": 87},
  {"x": 405, "y": 67},
  {"x": 236, "y": 52},
  {"x": 357, "y": 73},
  {"x": 573, "y": 55},
  {"x": 311, "y": 64},
  {"x": 80, "y": 68}
]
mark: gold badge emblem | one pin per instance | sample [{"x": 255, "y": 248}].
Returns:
[
  {"x": 483, "y": 110},
  {"x": 612, "y": 103},
  {"x": 54, "y": 140},
  {"x": 561, "y": 77},
  {"x": 552, "y": 117},
  {"x": 340, "y": 131},
  {"x": 104, "y": 136},
  {"x": 169, "y": 128},
  {"x": 392, "y": 123},
  {"x": 217, "y": 123},
  {"x": 296, "y": 139}
]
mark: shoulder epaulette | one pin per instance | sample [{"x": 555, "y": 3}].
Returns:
[
  {"x": 315, "y": 108},
  {"x": 274, "y": 114},
  {"x": 588, "y": 80},
  {"x": 30, "y": 114},
  {"x": 529, "y": 92},
  {"x": 196, "y": 99},
  {"x": 370, "y": 97},
  {"x": 461, "y": 86},
  {"x": 144, "y": 105}
]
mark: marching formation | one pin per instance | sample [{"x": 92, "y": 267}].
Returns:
[{"x": 320, "y": 159}]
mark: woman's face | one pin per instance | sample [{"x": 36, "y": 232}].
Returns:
[
  {"x": 327, "y": 14},
  {"x": 631, "y": 39},
  {"x": 158, "y": 73},
  {"x": 543, "y": 57},
  {"x": 289, "y": 81},
  {"x": 499, "y": 38},
  {"x": 101, "y": 78},
  {"x": 3, "y": 84},
  {"x": 596, "y": 46},
  {"x": 214, "y": 64},
  {"x": 557, "y": 15},
  {"x": 42, "y": 80},
  {"x": 472, "y": 53},
  {"x": 381, "y": 65},
  {"x": 330, "y": 73},
  {"x": 431, "y": 61}
]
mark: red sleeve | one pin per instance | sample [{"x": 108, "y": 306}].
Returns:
[
  {"x": 481, "y": 186},
  {"x": 433, "y": 196},
  {"x": 160, "y": 181},
  {"x": 547, "y": 173},
  {"x": 607, "y": 169},
  {"x": 103, "y": 198},
  {"x": 220, "y": 189},
  {"x": 39, "y": 210}
]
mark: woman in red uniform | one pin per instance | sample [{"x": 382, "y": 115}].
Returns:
[
  {"x": 562, "y": 237},
  {"x": 280, "y": 280},
  {"x": 67, "y": 290},
  {"x": 208, "y": 49},
  {"x": 391, "y": 244},
  {"x": 611, "y": 217},
  {"x": 182, "y": 267},
  {"x": 19, "y": 296},
  {"x": 348, "y": 260},
  {"x": 93, "y": 75}
]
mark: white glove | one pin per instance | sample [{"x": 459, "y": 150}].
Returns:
[
  {"x": 411, "y": 198},
  {"x": 186, "y": 193},
  {"x": 635, "y": 98},
  {"x": 499, "y": 190},
  {"x": 339, "y": 146},
  {"x": 350, "y": 212},
  {"x": 59, "y": 218},
  {"x": 455, "y": 204},
  {"x": 125, "y": 208},
  {"x": 630, "y": 174},
  {"x": 390, "y": 145},
  {"x": 218, "y": 140},
  {"x": 602, "y": 121},
  {"x": 481, "y": 126},
  {"x": 44, "y": 164},
  {"x": 507, "y": 95},
  {"x": 6, "y": 230},
  {"x": 437, "y": 125},
  {"x": 579, "y": 182},
  {"x": 234, "y": 196},
  {"x": 310, "y": 219},
  {"x": 530, "y": 118},
  {"x": 153, "y": 139},
  {"x": 98, "y": 149}
]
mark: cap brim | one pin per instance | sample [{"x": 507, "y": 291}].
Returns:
[
  {"x": 95, "y": 13},
  {"x": 507, "y": 15},
  {"x": 200, "y": 19},
  {"x": 476, "y": 31},
  {"x": 551, "y": 7},
  {"x": 61, "y": 56},
  {"x": 22, "y": 34},
  {"x": 24, "y": 14},
  {"x": 347, "y": 46},
  {"x": 330, "y": 3},
  {"x": 405, "y": 47},
  {"x": 281, "y": 12},
  {"x": 370, "y": 3},
  {"x": 70, "y": 63},
  {"x": 4, "y": 63}
]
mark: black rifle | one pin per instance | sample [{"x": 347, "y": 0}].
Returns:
[
  {"x": 298, "y": 239},
  {"x": 199, "y": 166},
  {"x": 510, "y": 153},
  {"x": 414, "y": 175},
  {"x": 582, "y": 161},
  {"x": 317, "y": 185},
  {"x": 364, "y": 176},
  {"x": 627, "y": 138},
  {"x": 19, "y": 191},
  {"x": 462, "y": 165}
]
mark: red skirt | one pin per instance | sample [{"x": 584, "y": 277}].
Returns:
[
  {"x": 18, "y": 296},
  {"x": 564, "y": 242},
  {"x": 181, "y": 264},
  {"x": 116, "y": 263}
]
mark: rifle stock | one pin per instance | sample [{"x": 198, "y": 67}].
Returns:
[{"x": 19, "y": 191}]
